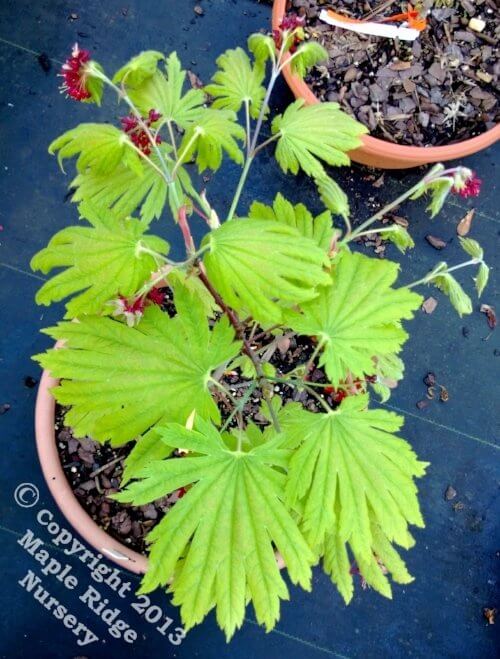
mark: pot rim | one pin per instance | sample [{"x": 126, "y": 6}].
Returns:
[
  {"x": 376, "y": 147},
  {"x": 61, "y": 490}
]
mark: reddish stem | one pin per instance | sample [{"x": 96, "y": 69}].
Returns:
[{"x": 186, "y": 233}]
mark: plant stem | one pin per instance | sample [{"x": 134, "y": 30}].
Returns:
[
  {"x": 247, "y": 126},
  {"x": 172, "y": 137},
  {"x": 370, "y": 232},
  {"x": 185, "y": 151},
  {"x": 241, "y": 404},
  {"x": 222, "y": 388},
  {"x": 383, "y": 211},
  {"x": 252, "y": 148},
  {"x": 320, "y": 400},
  {"x": 235, "y": 322},
  {"x": 186, "y": 232},
  {"x": 429, "y": 278},
  {"x": 239, "y": 188}
]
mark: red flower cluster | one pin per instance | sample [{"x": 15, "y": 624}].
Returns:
[
  {"x": 288, "y": 24},
  {"x": 137, "y": 134},
  {"x": 133, "y": 309},
  {"x": 337, "y": 395},
  {"x": 75, "y": 76},
  {"x": 471, "y": 187}
]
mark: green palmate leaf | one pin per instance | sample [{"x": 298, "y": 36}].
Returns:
[
  {"x": 125, "y": 192},
  {"x": 101, "y": 261},
  {"x": 262, "y": 47},
  {"x": 254, "y": 262},
  {"x": 148, "y": 449},
  {"x": 310, "y": 134},
  {"x": 333, "y": 196},
  {"x": 459, "y": 299},
  {"x": 357, "y": 317},
  {"x": 389, "y": 369},
  {"x": 217, "y": 542},
  {"x": 237, "y": 82},
  {"x": 471, "y": 247},
  {"x": 215, "y": 131},
  {"x": 160, "y": 369},
  {"x": 319, "y": 229},
  {"x": 352, "y": 475},
  {"x": 139, "y": 68},
  {"x": 101, "y": 148},
  {"x": 439, "y": 190},
  {"x": 481, "y": 279},
  {"x": 307, "y": 55},
  {"x": 399, "y": 236},
  {"x": 384, "y": 560},
  {"x": 164, "y": 93}
]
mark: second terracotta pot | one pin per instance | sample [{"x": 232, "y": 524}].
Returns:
[{"x": 382, "y": 154}]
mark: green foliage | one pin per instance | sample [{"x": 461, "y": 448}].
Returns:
[
  {"x": 389, "y": 369},
  {"x": 352, "y": 475},
  {"x": 237, "y": 82},
  {"x": 337, "y": 485},
  {"x": 252, "y": 261},
  {"x": 399, "y": 236},
  {"x": 318, "y": 229},
  {"x": 139, "y": 68},
  {"x": 481, "y": 279},
  {"x": 332, "y": 195},
  {"x": 215, "y": 131},
  {"x": 101, "y": 148},
  {"x": 160, "y": 369},
  {"x": 124, "y": 192},
  {"x": 309, "y": 134},
  {"x": 217, "y": 542},
  {"x": 164, "y": 93},
  {"x": 447, "y": 284},
  {"x": 439, "y": 189},
  {"x": 357, "y": 317},
  {"x": 307, "y": 55},
  {"x": 262, "y": 47},
  {"x": 102, "y": 261}
]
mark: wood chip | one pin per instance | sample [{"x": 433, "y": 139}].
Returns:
[
  {"x": 491, "y": 317},
  {"x": 400, "y": 66},
  {"x": 463, "y": 227},
  {"x": 435, "y": 242},
  {"x": 484, "y": 76},
  {"x": 429, "y": 305},
  {"x": 450, "y": 493},
  {"x": 194, "y": 81},
  {"x": 489, "y": 614}
]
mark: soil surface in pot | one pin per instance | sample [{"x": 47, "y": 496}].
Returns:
[
  {"x": 440, "y": 89},
  {"x": 94, "y": 470}
]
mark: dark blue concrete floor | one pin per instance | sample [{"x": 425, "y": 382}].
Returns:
[{"x": 456, "y": 560}]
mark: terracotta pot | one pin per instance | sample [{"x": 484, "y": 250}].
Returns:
[
  {"x": 61, "y": 490},
  {"x": 382, "y": 154}
]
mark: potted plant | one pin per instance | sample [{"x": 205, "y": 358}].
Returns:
[
  {"x": 238, "y": 378},
  {"x": 439, "y": 89}
]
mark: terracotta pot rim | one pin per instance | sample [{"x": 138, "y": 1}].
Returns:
[
  {"x": 375, "y": 148},
  {"x": 61, "y": 490}
]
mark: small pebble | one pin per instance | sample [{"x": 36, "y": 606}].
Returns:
[
  {"x": 477, "y": 24},
  {"x": 450, "y": 493}
]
